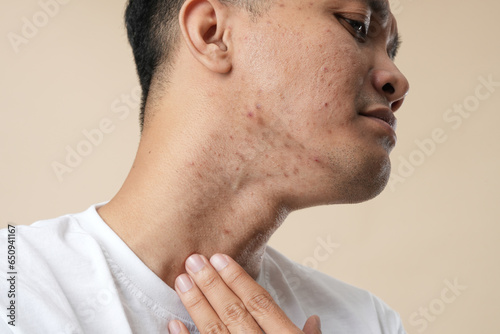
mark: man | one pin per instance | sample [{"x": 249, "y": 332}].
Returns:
[{"x": 252, "y": 109}]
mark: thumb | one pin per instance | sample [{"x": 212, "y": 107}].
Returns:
[
  {"x": 313, "y": 325},
  {"x": 177, "y": 327}
]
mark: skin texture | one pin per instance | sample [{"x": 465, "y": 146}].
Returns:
[{"x": 259, "y": 117}]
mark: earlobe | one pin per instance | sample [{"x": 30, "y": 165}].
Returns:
[{"x": 203, "y": 27}]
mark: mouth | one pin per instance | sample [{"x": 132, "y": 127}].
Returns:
[{"x": 383, "y": 116}]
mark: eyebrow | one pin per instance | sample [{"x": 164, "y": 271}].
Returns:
[{"x": 381, "y": 8}]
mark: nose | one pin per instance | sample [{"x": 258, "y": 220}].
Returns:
[{"x": 392, "y": 84}]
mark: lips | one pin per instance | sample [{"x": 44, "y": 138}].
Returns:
[{"x": 383, "y": 114}]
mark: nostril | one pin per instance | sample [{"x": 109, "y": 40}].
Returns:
[{"x": 388, "y": 88}]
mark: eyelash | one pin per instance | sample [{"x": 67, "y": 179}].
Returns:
[{"x": 359, "y": 29}]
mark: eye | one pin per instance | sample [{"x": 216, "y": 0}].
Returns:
[{"x": 357, "y": 28}]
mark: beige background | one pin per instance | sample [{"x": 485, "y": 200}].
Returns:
[{"x": 440, "y": 224}]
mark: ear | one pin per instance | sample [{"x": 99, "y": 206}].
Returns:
[{"x": 203, "y": 25}]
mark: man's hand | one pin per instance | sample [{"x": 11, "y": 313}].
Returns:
[{"x": 222, "y": 298}]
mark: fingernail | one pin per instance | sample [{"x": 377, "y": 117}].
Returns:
[
  {"x": 173, "y": 327},
  {"x": 219, "y": 262},
  {"x": 195, "y": 263},
  {"x": 184, "y": 283}
]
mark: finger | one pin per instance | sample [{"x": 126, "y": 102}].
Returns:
[
  {"x": 229, "y": 308},
  {"x": 200, "y": 310},
  {"x": 256, "y": 299},
  {"x": 313, "y": 325},
  {"x": 177, "y": 327}
]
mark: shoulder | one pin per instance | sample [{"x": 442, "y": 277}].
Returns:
[
  {"x": 46, "y": 247},
  {"x": 56, "y": 263},
  {"x": 335, "y": 300}
]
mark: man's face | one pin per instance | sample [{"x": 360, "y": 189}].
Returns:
[{"x": 321, "y": 87}]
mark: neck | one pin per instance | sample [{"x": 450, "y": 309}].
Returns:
[{"x": 201, "y": 195}]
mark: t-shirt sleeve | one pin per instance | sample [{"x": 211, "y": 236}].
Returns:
[{"x": 390, "y": 320}]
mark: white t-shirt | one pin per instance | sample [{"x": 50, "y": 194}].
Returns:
[{"x": 75, "y": 275}]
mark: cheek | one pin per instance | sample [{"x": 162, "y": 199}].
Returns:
[{"x": 308, "y": 80}]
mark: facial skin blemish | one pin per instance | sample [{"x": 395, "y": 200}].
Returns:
[{"x": 250, "y": 114}]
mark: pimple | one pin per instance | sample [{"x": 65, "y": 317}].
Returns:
[
  {"x": 231, "y": 137},
  {"x": 295, "y": 171},
  {"x": 250, "y": 114},
  {"x": 285, "y": 175},
  {"x": 258, "y": 106},
  {"x": 330, "y": 132},
  {"x": 326, "y": 104}
]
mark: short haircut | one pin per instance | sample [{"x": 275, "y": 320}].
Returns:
[{"x": 153, "y": 32}]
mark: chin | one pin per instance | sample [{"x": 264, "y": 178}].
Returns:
[{"x": 364, "y": 180}]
